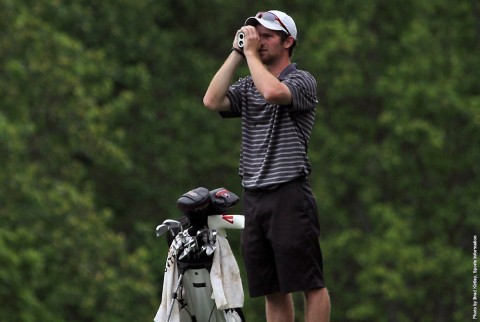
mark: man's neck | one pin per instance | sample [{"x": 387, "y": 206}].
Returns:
[{"x": 276, "y": 69}]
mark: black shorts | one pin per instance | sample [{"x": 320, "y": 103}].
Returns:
[{"x": 280, "y": 241}]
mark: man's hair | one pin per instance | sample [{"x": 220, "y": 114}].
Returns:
[{"x": 283, "y": 37}]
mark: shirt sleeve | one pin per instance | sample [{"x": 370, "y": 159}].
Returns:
[
  {"x": 234, "y": 95},
  {"x": 303, "y": 88}
]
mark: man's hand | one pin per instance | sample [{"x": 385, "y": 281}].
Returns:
[{"x": 251, "y": 40}]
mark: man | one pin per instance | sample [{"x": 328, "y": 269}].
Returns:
[{"x": 277, "y": 105}]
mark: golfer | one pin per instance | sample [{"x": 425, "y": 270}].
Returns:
[{"x": 277, "y": 102}]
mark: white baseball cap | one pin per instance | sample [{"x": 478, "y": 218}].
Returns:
[{"x": 274, "y": 20}]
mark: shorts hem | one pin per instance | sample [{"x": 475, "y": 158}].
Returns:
[{"x": 264, "y": 293}]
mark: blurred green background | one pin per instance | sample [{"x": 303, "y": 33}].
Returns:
[{"x": 102, "y": 128}]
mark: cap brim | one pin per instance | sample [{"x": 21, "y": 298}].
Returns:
[{"x": 253, "y": 21}]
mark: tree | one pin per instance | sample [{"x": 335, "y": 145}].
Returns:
[{"x": 60, "y": 258}]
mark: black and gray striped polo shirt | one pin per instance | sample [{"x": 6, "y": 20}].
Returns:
[{"x": 274, "y": 137}]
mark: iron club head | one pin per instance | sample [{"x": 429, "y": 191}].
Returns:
[
  {"x": 172, "y": 223},
  {"x": 161, "y": 229}
]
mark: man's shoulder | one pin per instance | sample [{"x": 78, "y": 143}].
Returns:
[
  {"x": 300, "y": 78},
  {"x": 292, "y": 70},
  {"x": 301, "y": 73}
]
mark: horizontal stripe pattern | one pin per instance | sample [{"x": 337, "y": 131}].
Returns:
[{"x": 274, "y": 137}]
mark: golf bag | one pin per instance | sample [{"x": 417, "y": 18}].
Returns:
[{"x": 202, "y": 281}]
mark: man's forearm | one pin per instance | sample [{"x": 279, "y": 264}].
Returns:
[
  {"x": 215, "y": 98},
  {"x": 267, "y": 84}
]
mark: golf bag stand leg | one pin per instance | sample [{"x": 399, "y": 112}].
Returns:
[{"x": 175, "y": 295}]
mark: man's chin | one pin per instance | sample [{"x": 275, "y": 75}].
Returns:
[{"x": 263, "y": 56}]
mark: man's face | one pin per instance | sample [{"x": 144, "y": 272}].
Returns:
[{"x": 270, "y": 46}]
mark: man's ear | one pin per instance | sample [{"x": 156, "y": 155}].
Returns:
[{"x": 288, "y": 42}]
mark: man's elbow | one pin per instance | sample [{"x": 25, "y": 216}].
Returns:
[
  {"x": 270, "y": 96},
  {"x": 209, "y": 103},
  {"x": 216, "y": 105}
]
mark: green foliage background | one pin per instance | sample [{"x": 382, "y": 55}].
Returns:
[{"x": 102, "y": 129}]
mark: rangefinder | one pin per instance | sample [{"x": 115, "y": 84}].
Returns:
[{"x": 240, "y": 39}]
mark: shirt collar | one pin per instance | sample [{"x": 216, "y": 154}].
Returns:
[{"x": 290, "y": 68}]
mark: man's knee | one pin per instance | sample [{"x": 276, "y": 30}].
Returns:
[
  {"x": 317, "y": 294},
  {"x": 279, "y": 298},
  {"x": 279, "y": 307}
]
